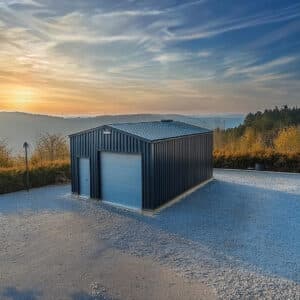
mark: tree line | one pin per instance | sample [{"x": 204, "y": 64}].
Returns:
[{"x": 275, "y": 129}]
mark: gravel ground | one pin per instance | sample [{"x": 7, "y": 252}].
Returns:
[{"x": 238, "y": 237}]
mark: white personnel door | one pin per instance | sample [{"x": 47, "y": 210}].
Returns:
[{"x": 84, "y": 177}]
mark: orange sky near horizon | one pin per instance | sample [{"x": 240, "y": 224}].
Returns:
[{"x": 76, "y": 98}]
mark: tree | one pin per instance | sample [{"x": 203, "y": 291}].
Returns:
[
  {"x": 218, "y": 139},
  {"x": 249, "y": 120},
  {"x": 250, "y": 141},
  {"x": 50, "y": 147},
  {"x": 288, "y": 140},
  {"x": 6, "y": 159}
]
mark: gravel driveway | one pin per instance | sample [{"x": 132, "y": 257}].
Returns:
[{"x": 238, "y": 237}]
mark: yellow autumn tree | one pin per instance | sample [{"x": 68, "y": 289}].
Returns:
[
  {"x": 218, "y": 139},
  {"x": 288, "y": 140},
  {"x": 250, "y": 142}
]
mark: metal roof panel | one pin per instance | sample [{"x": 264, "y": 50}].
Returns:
[{"x": 159, "y": 130}]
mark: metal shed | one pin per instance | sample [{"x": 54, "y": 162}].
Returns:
[{"x": 140, "y": 165}]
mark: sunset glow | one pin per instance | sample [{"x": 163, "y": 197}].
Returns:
[
  {"x": 103, "y": 57},
  {"x": 22, "y": 97}
]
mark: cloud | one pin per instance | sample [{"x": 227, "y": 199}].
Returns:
[
  {"x": 252, "y": 70},
  {"x": 183, "y": 6},
  {"x": 169, "y": 57},
  {"x": 274, "y": 36},
  {"x": 180, "y": 56},
  {"x": 131, "y": 13},
  {"x": 150, "y": 12},
  {"x": 221, "y": 26},
  {"x": 23, "y": 2},
  {"x": 203, "y": 54},
  {"x": 271, "y": 77}
]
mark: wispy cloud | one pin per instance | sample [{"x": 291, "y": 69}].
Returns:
[
  {"x": 180, "y": 56},
  {"x": 203, "y": 54},
  {"x": 169, "y": 57},
  {"x": 232, "y": 24},
  {"x": 282, "y": 33},
  {"x": 252, "y": 70},
  {"x": 150, "y": 12},
  {"x": 23, "y": 2},
  {"x": 131, "y": 13}
]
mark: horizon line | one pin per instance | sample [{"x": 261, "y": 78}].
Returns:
[{"x": 66, "y": 116}]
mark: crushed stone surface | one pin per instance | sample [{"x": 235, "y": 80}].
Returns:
[{"x": 238, "y": 237}]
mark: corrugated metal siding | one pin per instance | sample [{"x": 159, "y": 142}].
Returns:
[
  {"x": 90, "y": 143},
  {"x": 179, "y": 165},
  {"x": 169, "y": 167}
]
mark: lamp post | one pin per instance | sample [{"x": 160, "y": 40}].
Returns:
[{"x": 25, "y": 146}]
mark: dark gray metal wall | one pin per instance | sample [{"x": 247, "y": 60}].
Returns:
[
  {"x": 180, "y": 164},
  {"x": 169, "y": 167}
]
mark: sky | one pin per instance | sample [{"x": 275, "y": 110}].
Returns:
[{"x": 72, "y": 57}]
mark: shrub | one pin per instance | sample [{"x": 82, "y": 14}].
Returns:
[
  {"x": 6, "y": 159},
  {"x": 50, "y": 147},
  {"x": 13, "y": 179},
  {"x": 288, "y": 140},
  {"x": 272, "y": 161}
]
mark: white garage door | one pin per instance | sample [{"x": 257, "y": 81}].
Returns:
[
  {"x": 121, "y": 179},
  {"x": 84, "y": 177}
]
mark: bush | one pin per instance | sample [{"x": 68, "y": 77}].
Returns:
[
  {"x": 6, "y": 159},
  {"x": 273, "y": 161},
  {"x": 13, "y": 179}
]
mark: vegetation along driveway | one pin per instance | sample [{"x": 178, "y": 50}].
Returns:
[{"x": 237, "y": 237}]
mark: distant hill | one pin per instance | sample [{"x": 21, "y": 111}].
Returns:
[{"x": 18, "y": 127}]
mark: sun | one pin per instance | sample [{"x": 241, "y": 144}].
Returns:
[{"x": 23, "y": 96}]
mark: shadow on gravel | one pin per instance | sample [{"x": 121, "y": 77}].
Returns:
[
  {"x": 15, "y": 294},
  {"x": 49, "y": 198}
]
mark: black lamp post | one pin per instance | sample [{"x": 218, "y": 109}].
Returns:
[{"x": 25, "y": 146}]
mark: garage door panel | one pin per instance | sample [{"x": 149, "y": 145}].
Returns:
[{"x": 121, "y": 179}]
